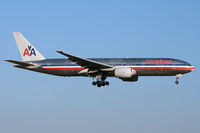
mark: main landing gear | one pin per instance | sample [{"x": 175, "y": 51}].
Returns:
[
  {"x": 100, "y": 82},
  {"x": 177, "y": 78}
]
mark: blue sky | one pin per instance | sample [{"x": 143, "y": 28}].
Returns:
[{"x": 34, "y": 102}]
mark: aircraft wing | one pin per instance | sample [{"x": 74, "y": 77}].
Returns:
[
  {"x": 19, "y": 63},
  {"x": 87, "y": 63}
]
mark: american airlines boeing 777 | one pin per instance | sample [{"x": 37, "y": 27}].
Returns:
[{"x": 126, "y": 69}]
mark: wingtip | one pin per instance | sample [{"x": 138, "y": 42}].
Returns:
[
  {"x": 58, "y": 51},
  {"x": 7, "y": 60}
]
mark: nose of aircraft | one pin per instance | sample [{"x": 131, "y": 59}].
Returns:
[{"x": 191, "y": 68}]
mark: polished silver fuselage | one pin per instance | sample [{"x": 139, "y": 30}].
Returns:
[{"x": 142, "y": 66}]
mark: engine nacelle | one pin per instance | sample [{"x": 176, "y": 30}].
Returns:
[{"x": 124, "y": 72}]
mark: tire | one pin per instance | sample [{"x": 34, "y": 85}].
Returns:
[
  {"x": 94, "y": 83},
  {"x": 98, "y": 85},
  {"x": 107, "y": 83},
  {"x": 176, "y": 82}
]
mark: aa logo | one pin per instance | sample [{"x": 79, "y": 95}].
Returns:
[{"x": 29, "y": 51}]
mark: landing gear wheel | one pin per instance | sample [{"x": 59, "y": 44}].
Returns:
[
  {"x": 177, "y": 78},
  {"x": 100, "y": 81},
  {"x": 98, "y": 85},
  {"x": 107, "y": 83},
  {"x": 94, "y": 83},
  {"x": 103, "y": 84}
]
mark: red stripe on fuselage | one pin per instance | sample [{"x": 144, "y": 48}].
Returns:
[
  {"x": 162, "y": 67},
  {"x": 143, "y": 67}
]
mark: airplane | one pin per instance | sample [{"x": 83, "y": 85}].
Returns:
[{"x": 126, "y": 69}]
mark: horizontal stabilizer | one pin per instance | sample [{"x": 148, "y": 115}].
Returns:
[{"x": 19, "y": 63}]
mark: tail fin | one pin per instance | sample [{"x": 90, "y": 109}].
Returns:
[{"x": 26, "y": 49}]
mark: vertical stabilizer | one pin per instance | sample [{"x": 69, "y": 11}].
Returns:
[{"x": 27, "y": 50}]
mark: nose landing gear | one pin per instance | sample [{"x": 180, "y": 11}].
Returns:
[
  {"x": 177, "y": 78},
  {"x": 100, "y": 82}
]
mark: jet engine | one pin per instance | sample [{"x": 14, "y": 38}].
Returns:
[{"x": 124, "y": 72}]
